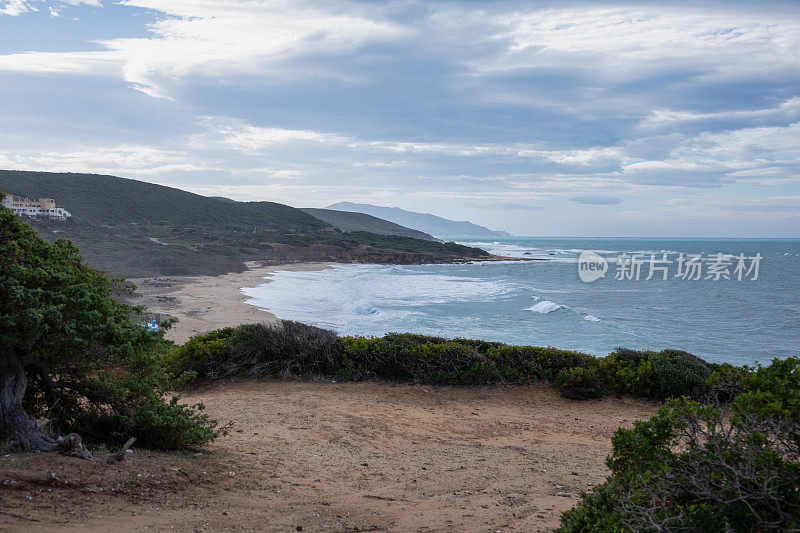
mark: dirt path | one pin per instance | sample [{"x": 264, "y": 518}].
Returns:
[{"x": 343, "y": 457}]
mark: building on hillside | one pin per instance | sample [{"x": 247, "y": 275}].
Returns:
[{"x": 39, "y": 208}]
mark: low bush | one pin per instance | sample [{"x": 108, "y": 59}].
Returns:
[
  {"x": 706, "y": 467},
  {"x": 284, "y": 349},
  {"x": 200, "y": 357},
  {"x": 413, "y": 358},
  {"x": 679, "y": 373},
  {"x": 580, "y": 383}
]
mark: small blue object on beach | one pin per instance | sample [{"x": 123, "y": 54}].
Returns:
[{"x": 152, "y": 326}]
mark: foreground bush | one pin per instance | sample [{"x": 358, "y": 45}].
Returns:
[
  {"x": 706, "y": 467},
  {"x": 71, "y": 354}
]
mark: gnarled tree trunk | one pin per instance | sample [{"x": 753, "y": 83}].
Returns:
[{"x": 15, "y": 422}]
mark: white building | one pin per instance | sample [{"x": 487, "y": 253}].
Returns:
[{"x": 39, "y": 208}]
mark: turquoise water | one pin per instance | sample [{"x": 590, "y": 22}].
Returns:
[{"x": 546, "y": 303}]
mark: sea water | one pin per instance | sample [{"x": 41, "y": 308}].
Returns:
[{"x": 545, "y": 303}]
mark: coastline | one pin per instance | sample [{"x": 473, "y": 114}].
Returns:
[{"x": 205, "y": 303}]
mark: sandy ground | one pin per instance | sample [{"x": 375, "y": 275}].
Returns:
[
  {"x": 205, "y": 303},
  {"x": 338, "y": 457}
]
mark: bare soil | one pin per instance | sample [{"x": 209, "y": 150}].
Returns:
[{"x": 338, "y": 457}]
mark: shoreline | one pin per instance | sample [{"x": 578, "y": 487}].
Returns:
[{"x": 205, "y": 303}]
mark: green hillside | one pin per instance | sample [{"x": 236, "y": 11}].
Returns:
[
  {"x": 133, "y": 229},
  {"x": 348, "y": 221},
  {"x": 109, "y": 200}
]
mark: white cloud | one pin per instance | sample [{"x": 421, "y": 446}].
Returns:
[
  {"x": 214, "y": 38},
  {"x": 15, "y": 8},
  {"x": 250, "y": 138},
  {"x": 773, "y": 143},
  {"x": 121, "y": 159},
  {"x": 211, "y": 38},
  {"x": 62, "y": 62},
  {"x": 786, "y": 110},
  {"x": 629, "y": 38},
  {"x": 709, "y": 207}
]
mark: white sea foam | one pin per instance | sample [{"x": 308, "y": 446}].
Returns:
[
  {"x": 372, "y": 298},
  {"x": 591, "y": 318},
  {"x": 544, "y": 307}
]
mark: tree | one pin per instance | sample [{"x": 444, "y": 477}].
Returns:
[{"x": 71, "y": 352}]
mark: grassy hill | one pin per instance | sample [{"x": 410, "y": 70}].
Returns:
[
  {"x": 131, "y": 228},
  {"x": 108, "y": 200},
  {"x": 348, "y": 221}
]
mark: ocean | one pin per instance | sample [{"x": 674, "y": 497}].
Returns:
[{"x": 752, "y": 316}]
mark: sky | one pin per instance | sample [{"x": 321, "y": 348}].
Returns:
[{"x": 662, "y": 119}]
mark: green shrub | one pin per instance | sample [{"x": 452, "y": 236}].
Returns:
[
  {"x": 200, "y": 357},
  {"x": 579, "y": 383},
  {"x": 629, "y": 372},
  {"x": 706, "y": 467},
  {"x": 679, "y": 373},
  {"x": 551, "y": 361},
  {"x": 284, "y": 349},
  {"x": 666, "y": 374},
  {"x": 414, "y": 358},
  {"x": 595, "y": 512}
]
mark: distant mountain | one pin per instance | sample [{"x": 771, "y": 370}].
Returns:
[
  {"x": 438, "y": 226},
  {"x": 348, "y": 221},
  {"x": 135, "y": 229}
]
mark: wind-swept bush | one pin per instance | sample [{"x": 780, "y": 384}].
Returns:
[
  {"x": 284, "y": 349},
  {"x": 679, "y": 373},
  {"x": 706, "y": 467},
  {"x": 70, "y": 353},
  {"x": 293, "y": 349}
]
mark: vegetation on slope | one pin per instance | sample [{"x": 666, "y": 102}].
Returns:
[
  {"x": 72, "y": 354},
  {"x": 132, "y": 229},
  {"x": 349, "y": 221}
]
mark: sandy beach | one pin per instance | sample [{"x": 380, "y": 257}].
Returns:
[{"x": 205, "y": 303}]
